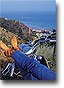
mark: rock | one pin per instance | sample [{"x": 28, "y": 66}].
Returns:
[{"x": 15, "y": 27}]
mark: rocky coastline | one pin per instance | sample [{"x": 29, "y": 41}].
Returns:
[{"x": 24, "y": 34}]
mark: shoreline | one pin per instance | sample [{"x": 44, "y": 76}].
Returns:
[
  {"x": 32, "y": 28},
  {"x": 37, "y": 28}
]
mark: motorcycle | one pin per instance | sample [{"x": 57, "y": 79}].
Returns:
[{"x": 11, "y": 72}]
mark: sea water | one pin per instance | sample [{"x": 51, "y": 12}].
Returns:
[{"x": 35, "y": 20}]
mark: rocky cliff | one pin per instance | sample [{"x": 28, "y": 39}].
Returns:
[{"x": 16, "y": 27}]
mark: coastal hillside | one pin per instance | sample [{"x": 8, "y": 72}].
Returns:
[
  {"x": 10, "y": 28},
  {"x": 6, "y": 36},
  {"x": 16, "y": 27}
]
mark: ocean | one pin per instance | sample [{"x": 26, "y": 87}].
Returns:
[{"x": 35, "y": 20}]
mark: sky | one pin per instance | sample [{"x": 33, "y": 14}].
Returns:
[{"x": 27, "y": 5}]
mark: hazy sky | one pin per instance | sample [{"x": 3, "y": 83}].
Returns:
[{"x": 27, "y": 5}]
